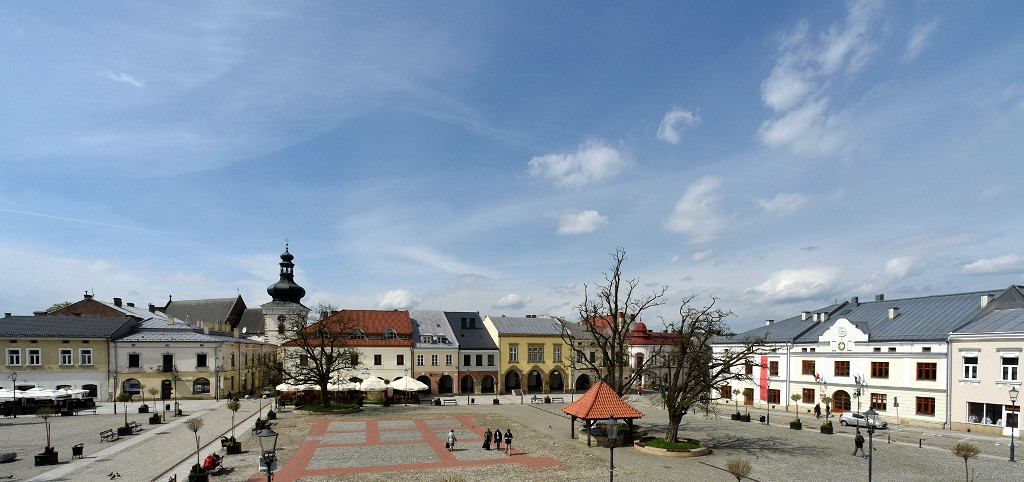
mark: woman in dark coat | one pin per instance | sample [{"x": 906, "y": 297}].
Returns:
[
  {"x": 487, "y": 439},
  {"x": 497, "y": 438}
]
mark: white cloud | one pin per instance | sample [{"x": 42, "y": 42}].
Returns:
[
  {"x": 919, "y": 38},
  {"x": 668, "y": 131},
  {"x": 699, "y": 256},
  {"x": 1009, "y": 264},
  {"x": 696, "y": 213},
  {"x": 581, "y": 223},
  {"x": 898, "y": 268},
  {"x": 440, "y": 261},
  {"x": 675, "y": 259},
  {"x": 795, "y": 284},
  {"x": 594, "y": 161},
  {"x": 398, "y": 300},
  {"x": 123, "y": 78},
  {"x": 783, "y": 203},
  {"x": 808, "y": 130},
  {"x": 512, "y": 301}
]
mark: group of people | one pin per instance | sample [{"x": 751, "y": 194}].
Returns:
[
  {"x": 817, "y": 410},
  {"x": 497, "y": 437}
]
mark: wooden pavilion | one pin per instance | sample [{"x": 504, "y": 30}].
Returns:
[{"x": 600, "y": 403}]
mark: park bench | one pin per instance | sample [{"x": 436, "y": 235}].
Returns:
[
  {"x": 449, "y": 401},
  {"x": 109, "y": 435},
  {"x": 135, "y": 426},
  {"x": 557, "y": 400}
]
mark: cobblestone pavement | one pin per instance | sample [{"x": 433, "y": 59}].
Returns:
[{"x": 776, "y": 452}]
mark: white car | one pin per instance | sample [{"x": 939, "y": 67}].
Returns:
[{"x": 859, "y": 420}]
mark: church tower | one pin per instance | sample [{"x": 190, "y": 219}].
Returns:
[{"x": 286, "y": 301}]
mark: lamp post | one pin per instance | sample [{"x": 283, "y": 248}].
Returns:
[
  {"x": 1013, "y": 401},
  {"x": 268, "y": 446},
  {"x": 611, "y": 428},
  {"x": 768, "y": 388},
  {"x": 872, "y": 416},
  {"x": 14, "y": 390}
]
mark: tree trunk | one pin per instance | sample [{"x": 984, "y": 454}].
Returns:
[{"x": 672, "y": 431}]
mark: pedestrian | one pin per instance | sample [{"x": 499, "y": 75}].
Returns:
[
  {"x": 828, "y": 410},
  {"x": 497, "y": 438},
  {"x": 229, "y": 395},
  {"x": 858, "y": 444},
  {"x": 817, "y": 410},
  {"x": 451, "y": 440},
  {"x": 508, "y": 441},
  {"x": 640, "y": 390},
  {"x": 487, "y": 439}
]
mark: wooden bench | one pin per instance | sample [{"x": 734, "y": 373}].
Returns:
[
  {"x": 135, "y": 426},
  {"x": 557, "y": 400},
  {"x": 109, "y": 435},
  {"x": 449, "y": 401}
]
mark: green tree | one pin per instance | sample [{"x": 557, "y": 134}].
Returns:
[
  {"x": 124, "y": 398},
  {"x": 57, "y": 306},
  {"x": 195, "y": 424},
  {"x": 233, "y": 406},
  {"x": 796, "y": 399},
  {"x": 966, "y": 451}
]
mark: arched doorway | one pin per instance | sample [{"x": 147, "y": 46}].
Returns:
[
  {"x": 557, "y": 381},
  {"x": 92, "y": 389},
  {"x": 534, "y": 382},
  {"x": 466, "y": 385},
  {"x": 426, "y": 381},
  {"x": 132, "y": 386},
  {"x": 201, "y": 386},
  {"x": 445, "y": 384},
  {"x": 840, "y": 402},
  {"x": 583, "y": 383},
  {"x": 512, "y": 381},
  {"x": 487, "y": 384}
]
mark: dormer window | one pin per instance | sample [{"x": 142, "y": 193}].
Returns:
[
  {"x": 358, "y": 334},
  {"x": 390, "y": 334}
]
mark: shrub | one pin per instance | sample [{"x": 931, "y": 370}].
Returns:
[
  {"x": 966, "y": 451},
  {"x": 739, "y": 468}
]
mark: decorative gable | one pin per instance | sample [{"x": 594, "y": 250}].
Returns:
[{"x": 843, "y": 335}]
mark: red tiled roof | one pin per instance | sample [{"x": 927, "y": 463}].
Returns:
[
  {"x": 374, "y": 322},
  {"x": 601, "y": 402},
  {"x": 603, "y": 322}
]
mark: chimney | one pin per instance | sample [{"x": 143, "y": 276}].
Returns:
[
  {"x": 87, "y": 296},
  {"x": 805, "y": 315},
  {"x": 117, "y": 302},
  {"x": 879, "y": 297},
  {"x": 894, "y": 312},
  {"x": 824, "y": 316},
  {"x": 854, "y": 301},
  {"x": 235, "y": 332},
  {"x": 152, "y": 308},
  {"x": 7, "y": 315},
  {"x": 131, "y": 305},
  {"x": 768, "y": 322},
  {"x": 206, "y": 330},
  {"x": 170, "y": 320},
  {"x": 986, "y": 299},
  {"x": 38, "y": 313}
]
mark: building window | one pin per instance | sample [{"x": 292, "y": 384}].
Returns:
[
  {"x": 467, "y": 360},
  {"x": 390, "y": 334},
  {"x": 357, "y": 334},
  {"x": 66, "y": 356},
  {"x": 14, "y": 357},
  {"x": 303, "y": 360},
  {"x": 479, "y": 360},
  {"x": 877, "y": 349},
  {"x": 201, "y": 385},
  {"x": 879, "y": 369},
  {"x": 927, "y": 371},
  {"x": 399, "y": 359},
  {"x": 378, "y": 359},
  {"x": 135, "y": 360},
  {"x": 892, "y": 348},
  {"x": 1010, "y": 368},
  {"x": 35, "y": 356},
  {"x": 725, "y": 391},
  {"x": 773, "y": 396},
  {"x": 878, "y": 401},
  {"x": 535, "y": 354},
  {"x": 807, "y": 367},
  {"x": 353, "y": 359},
  {"x": 971, "y": 367},
  {"x": 925, "y": 406},
  {"x": 556, "y": 354},
  {"x": 842, "y": 368},
  {"x": 748, "y": 368},
  {"x": 513, "y": 354},
  {"x": 85, "y": 356},
  {"x": 448, "y": 360},
  {"x": 490, "y": 360},
  {"x": 808, "y": 395},
  {"x": 773, "y": 368},
  {"x": 200, "y": 360},
  {"x": 434, "y": 360},
  {"x": 419, "y": 360},
  {"x": 580, "y": 358},
  {"x": 593, "y": 357},
  {"x": 926, "y": 349}
]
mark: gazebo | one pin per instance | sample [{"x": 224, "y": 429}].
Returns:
[{"x": 600, "y": 403}]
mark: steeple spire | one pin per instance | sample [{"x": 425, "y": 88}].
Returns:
[{"x": 285, "y": 289}]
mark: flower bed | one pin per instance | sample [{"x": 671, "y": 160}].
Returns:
[{"x": 644, "y": 446}]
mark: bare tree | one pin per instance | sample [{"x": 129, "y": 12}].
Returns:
[
  {"x": 695, "y": 371},
  {"x": 194, "y": 424},
  {"x": 739, "y": 468},
  {"x": 966, "y": 451},
  {"x": 317, "y": 348},
  {"x": 608, "y": 313}
]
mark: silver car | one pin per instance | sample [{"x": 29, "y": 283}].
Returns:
[{"x": 857, "y": 419}]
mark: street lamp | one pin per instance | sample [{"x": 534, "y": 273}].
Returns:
[
  {"x": 268, "y": 446},
  {"x": 872, "y": 416},
  {"x": 14, "y": 387},
  {"x": 1013, "y": 405},
  {"x": 611, "y": 428},
  {"x": 768, "y": 388}
]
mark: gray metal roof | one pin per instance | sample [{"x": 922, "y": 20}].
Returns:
[
  {"x": 433, "y": 323},
  {"x": 518, "y": 325},
  {"x": 65, "y": 326},
  {"x": 786, "y": 330},
  {"x": 998, "y": 321},
  {"x": 136, "y": 311},
  {"x": 213, "y": 310},
  {"x": 252, "y": 321},
  {"x": 185, "y": 336},
  {"x": 476, "y": 338}
]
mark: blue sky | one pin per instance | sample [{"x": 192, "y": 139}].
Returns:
[{"x": 489, "y": 156}]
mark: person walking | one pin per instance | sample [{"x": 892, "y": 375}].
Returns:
[
  {"x": 817, "y": 410},
  {"x": 858, "y": 444},
  {"x": 451, "y": 440},
  {"x": 497, "y": 438},
  {"x": 508, "y": 442},
  {"x": 487, "y": 439}
]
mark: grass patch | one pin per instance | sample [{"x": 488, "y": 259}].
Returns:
[
  {"x": 666, "y": 445},
  {"x": 326, "y": 408}
]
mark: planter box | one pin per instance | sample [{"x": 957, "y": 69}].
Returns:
[
  {"x": 143, "y": 409},
  {"x": 271, "y": 416},
  {"x": 46, "y": 459},
  {"x": 495, "y": 401},
  {"x": 745, "y": 418},
  {"x": 827, "y": 430},
  {"x": 796, "y": 425},
  {"x": 154, "y": 420},
  {"x": 123, "y": 431},
  {"x": 734, "y": 416},
  {"x": 199, "y": 478},
  {"x": 234, "y": 449}
]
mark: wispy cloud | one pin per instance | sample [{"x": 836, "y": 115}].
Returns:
[
  {"x": 697, "y": 212},
  {"x": 581, "y": 223},
  {"x": 919, "y": 38},
  {"x": 795, "y": 284},
  {"x": 123, "y": 78},
  {"x": 674, "y": 123},
  {"x": 1009, "y": 264},
  {"x": 440, "y": 261},
  {"x": 592, "y": 162},
  {"x": 783, "y": 204},
  {"x": 82, "y": 221}
]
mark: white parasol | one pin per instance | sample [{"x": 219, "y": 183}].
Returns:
[
  {"x": 407, "y": 384},
  {"x": 372, "y": 384}
]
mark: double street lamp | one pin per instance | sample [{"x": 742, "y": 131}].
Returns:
[
  {"x": 268, "y": 447},
  {"x": 611, "y": 428},
  {"x": 1013, "y": 413},
  {"x": 872, "y": 417}
]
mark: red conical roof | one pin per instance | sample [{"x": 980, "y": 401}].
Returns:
[{"x": 601, "y": 402}]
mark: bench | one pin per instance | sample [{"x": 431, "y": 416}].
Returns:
[
  {"x": 557, "y": 400},
  {"x": 135, "y": 426},
  {"x": 449, "y": 401},
  {"x": 259, "y": 426},
  {"x": 109, "y": 435}
]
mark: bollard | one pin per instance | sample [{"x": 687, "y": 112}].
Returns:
[
  {"x": 920, "y": 443},
  {"x": 888, "y": 438}
]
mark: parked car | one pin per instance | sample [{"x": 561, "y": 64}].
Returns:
[{"x": 858, "y": 419}]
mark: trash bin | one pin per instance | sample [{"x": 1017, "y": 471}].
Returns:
[{"x": 167, "y": 406}]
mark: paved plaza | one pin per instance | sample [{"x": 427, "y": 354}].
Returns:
[{"x": 407, "y": 442}]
